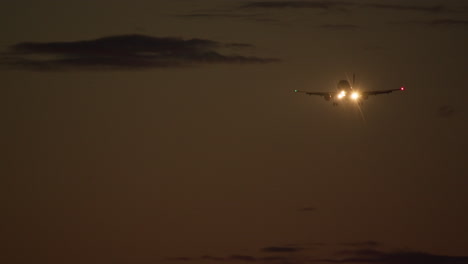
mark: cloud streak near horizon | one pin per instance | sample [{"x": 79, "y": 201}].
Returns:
[
  {"x": 261, "y": 9},
  {"x": 396, "y": 257},
  {"x": 362, "y": 255},
  {"x": 340, "y": 5},
  {"x": 124, "y": 52},
  {"x": 295, "y": 4},
  {"x": 448, "y": 22}
]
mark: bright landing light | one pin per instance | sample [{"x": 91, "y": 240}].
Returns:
[
  {"x": 341, "y": 94},
  {"x": 354, "y": 96}
]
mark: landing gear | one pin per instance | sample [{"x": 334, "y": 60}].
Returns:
[{"x": 335, "y": 104}]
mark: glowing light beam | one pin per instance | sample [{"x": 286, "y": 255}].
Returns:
[{"x": 355, "y": 96}]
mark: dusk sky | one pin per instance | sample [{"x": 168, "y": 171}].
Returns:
[{"x": 153, "y": 131}]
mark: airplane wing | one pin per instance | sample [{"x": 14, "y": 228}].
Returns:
[
  {"x": 315, "y": 93},
  {"x": 365, "y": 93}
]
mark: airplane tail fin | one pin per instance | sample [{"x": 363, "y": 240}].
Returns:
[{"x": 349, "y": 81}]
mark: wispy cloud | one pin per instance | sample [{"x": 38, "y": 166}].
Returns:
[
  {"x": 180, "y": 259},
  {"x": 397, "y": 257},
  {"x": 399, "y": 7},
  {"x": 217, "y": 15},
  {"x": 307, "y": 209},
  {"x": 208, "y": 257},
  {"x": 236, "y": 259},
  {"x": 446, "y": 111},
  {"x": 124, "y": 52},
  {"x": 366, "y": 256},
  {"x": 324, "y": 5},
  {"x": 342, "y": 5},
  {"x": 340, "y": 26},
  {"x": 448, "y": 22},
  {"x": 255, "y": 17},
  {"x": 243, "y": 258}
]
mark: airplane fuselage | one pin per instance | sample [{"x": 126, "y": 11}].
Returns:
[
  {"x": 344, "y": 85},
  {"x": 345, "y": 91}
]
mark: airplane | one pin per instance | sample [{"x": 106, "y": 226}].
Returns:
[{"x": 345, "y": 92}]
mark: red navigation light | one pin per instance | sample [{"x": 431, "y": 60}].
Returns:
[{"x": 402, "y": 88}]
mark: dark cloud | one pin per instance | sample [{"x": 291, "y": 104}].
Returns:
[
  {"x": 351, "y": 256},
  {"x": 448, "y": 22},
  {"x": 294, "y": 4},
  {"x": 272, "y": 259},
  {"x": 216, "y": 15},
  {"x": 235, "y": 258},
  {"x": 180, "y": 259},
  {"x": 243, "y": 258},
  {"x": 277, "y": 259},
  {"x": 281, "y": 249},
  {"x": 239, "y": 45},
  {"x": 248, "y": 17},
  {"x": 207, "y": 257},
  {"x": 307, "y": 209},
  {"x": 327, "y": 5},
  {"x": 445, "y": 111},
  {"x": 124, "y": 52},
  {"x": 397, "y": 257},
  {"x": 432, "y": 9},
  {"x": 340, "y": 6},
  {"x": 339, "y": 26}
]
